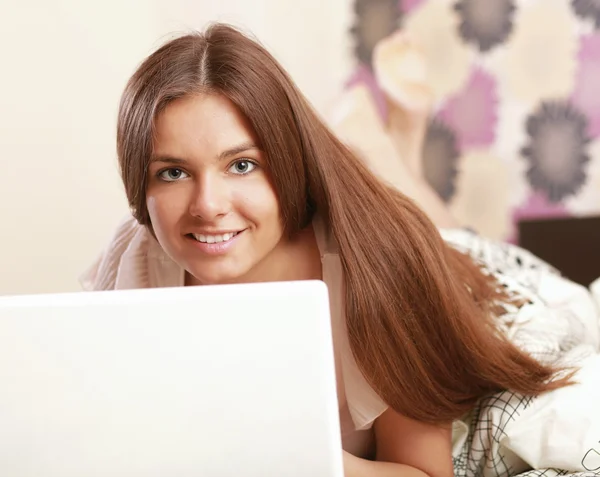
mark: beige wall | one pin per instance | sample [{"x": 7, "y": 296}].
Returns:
[{"x": 64, "y": 64}]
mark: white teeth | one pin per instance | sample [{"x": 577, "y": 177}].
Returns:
[{"x": 214, "y": 238}]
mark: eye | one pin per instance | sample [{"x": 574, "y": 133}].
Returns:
[
  {"x": 172, "y": 175},
  {"x": 242, "y": 167}
]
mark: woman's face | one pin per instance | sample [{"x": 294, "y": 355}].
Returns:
[{"x": 211, "y": 203}]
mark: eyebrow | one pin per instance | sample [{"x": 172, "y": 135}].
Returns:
[{"x": 234, "y": 151}]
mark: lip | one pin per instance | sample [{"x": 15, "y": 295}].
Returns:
[
  {"x": 214, "y": 249},
  {"x": 215, "y": 232}
]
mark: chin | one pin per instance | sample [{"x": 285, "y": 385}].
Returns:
[{"x": 217, "y": 278}]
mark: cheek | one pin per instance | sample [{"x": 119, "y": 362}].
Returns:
[{"x": 258, "y": 203}]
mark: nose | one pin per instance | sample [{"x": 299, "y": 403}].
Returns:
[{"x": 210, "y": 198}]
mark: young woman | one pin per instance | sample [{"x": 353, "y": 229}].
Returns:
[{"x": 232, "y": 177}]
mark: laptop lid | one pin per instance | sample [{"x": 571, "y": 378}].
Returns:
[{"x": 199, "y": 381}]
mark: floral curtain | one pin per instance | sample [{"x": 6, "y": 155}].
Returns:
[{"x": 515, "y": 130}]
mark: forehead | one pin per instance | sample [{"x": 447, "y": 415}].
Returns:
[{"x": 210, "y": 122}]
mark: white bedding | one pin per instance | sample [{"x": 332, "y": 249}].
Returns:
[
  {"x": 557, "y": 433},
  {"x": 595, "y": 289}
]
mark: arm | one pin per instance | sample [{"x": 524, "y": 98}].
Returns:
[
  {"x": 357, "y": 467},
  {"x": 405, "y": 448}
]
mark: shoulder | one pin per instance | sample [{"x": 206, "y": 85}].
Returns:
[{"x": 102, "y": 274}]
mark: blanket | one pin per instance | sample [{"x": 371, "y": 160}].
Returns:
[{"x": 555, "y": 434}]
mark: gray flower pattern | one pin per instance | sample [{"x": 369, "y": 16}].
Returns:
[
  {"x": 557, "y": 149},
  {"x": 588, "y": 9},
  {"x": 485, "y": 23},
  {"x": 374, "y": 20},
  {"x": 440, "y": 157}
]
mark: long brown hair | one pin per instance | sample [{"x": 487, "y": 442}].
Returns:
[{"x": 420, "y": 315}]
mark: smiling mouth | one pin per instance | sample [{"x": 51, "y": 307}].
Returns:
[{"x": 219, "y": 238}]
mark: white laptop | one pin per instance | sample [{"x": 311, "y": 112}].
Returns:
[{"x": 232, "y": 380}]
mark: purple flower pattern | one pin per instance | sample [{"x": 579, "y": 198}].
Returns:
[
  {"x": 472, "y": 112},
  {"x": 558, "y": 129}
]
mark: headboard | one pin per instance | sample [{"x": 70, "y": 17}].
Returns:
[{"x": 570, "y": 244}]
